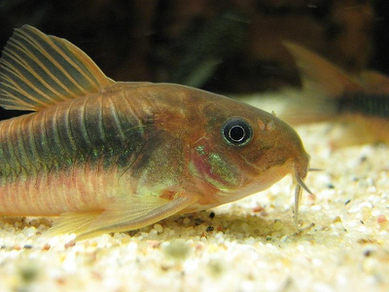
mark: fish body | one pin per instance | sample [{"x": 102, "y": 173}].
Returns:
[{"x": 106, "y": 156}]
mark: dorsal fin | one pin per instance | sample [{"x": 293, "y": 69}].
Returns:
[{"x": 37, "y": 70}]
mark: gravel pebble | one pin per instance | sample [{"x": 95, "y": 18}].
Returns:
[{"x": 341, "y": 243}]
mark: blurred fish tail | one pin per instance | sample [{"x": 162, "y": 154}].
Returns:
[{"x": 323, "y": 83}]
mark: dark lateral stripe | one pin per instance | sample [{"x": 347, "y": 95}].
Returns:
[
  {"x": 96, "y": 130},
  {"x": 372, "y": 105}
]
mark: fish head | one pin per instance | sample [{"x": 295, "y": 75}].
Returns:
[{"x": 243, "y": 150}]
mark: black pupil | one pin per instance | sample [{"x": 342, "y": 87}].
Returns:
[{"x": 237, "y": 131}]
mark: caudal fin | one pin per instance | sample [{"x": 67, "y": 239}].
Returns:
[{"x": 316, "y": 71}]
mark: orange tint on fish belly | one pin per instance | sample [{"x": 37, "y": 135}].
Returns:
[{"x": 77, "y": 190}]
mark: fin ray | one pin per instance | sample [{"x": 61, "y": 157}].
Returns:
[
  {"x": 42, "y": 64},
  {"x": 37, "y": 70},
  {"x": 17, "y": 92},
  {"x": 121, "y": 215},
  {"x": 35, "y": 94},
  {"x": 72, "y": 222},
  {"x": 48, "y": 75},
  {"x": 55, "y": 61},
  {"x": 45, "y": 45}
]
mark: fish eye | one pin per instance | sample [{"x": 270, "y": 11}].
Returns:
[{"x": 237, "y": 131}]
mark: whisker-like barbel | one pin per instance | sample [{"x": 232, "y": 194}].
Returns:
[{"x": 297, "y": 196}]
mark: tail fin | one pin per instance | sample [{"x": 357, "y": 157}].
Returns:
[
  {"x": 319, "y": 73},
  {"x": 323, "y": 85}
]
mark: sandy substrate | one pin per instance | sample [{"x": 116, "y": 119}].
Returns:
[{"x": 250, "y": 245}]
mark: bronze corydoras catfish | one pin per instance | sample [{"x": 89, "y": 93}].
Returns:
[{"x": 108, "y": 156}]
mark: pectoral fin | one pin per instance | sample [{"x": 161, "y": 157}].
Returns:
[
  {"x": 122, "y": 215},
  {"x": 72, "y": 222}
]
